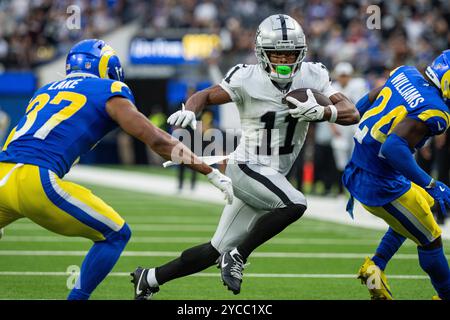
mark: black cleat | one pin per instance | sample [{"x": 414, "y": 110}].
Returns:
[
  {"x": 142, "y": 290},
  {"x": 231, "y": 264}
]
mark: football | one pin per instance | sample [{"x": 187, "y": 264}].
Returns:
[{"x": 300, "y": 95}]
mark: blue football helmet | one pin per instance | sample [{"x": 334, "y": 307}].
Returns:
[
  {"x": 439, "y": 73},
  {"x": 95, "y": 57}
]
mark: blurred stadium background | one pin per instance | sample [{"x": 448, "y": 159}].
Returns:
[{"x": 170, "y": 49}]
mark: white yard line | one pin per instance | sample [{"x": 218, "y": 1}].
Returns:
[
  {"x": 283, "y": 255},
  {"x": 328, "y": 209},
  {"x": 296, "y": 228},
  {"x": 168, "y": 239},
  {"x": 217, "y": 275}
]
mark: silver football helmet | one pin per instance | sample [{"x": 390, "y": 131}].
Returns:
[{"x": 280, "y": 32}]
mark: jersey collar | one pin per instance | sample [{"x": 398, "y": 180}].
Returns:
[
  {"x": 81, "y": 74},
  {"x": 284, "y": 89}
]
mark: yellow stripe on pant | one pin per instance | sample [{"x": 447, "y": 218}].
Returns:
[
  {"x": 411, "y": 216},
  {"x": 59, "y": 206}
]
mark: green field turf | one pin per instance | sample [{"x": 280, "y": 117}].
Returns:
[{"x": 318, "y": 259}]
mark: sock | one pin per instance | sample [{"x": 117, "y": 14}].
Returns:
[
  {"x": 151, "y": 278},
  {"x": 191, "y": 261},
  {"x": 99, "y": 261},
  {"x": 268, "y": 226},
  {"x": 434, "y": 263},
  {"x": 388, "y": 246}
]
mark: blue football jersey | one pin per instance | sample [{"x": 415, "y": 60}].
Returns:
[
  {"x": 63, "y": 120},
  {"x": 368, "y": 176}
]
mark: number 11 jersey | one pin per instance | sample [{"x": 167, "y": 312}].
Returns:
[{"x": 270, "y": 136}]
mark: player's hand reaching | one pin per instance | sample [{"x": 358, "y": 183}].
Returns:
[
  {"x": 183, "y": 118},
  {"x": 309, "y": 110},
  {"x": 441, "y": 194},
  {"x": 223, "y": 183}
]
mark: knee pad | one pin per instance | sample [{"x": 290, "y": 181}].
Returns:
[
  {"x": 293, "y": 211},
  {"x": 123, "y": 235},
  {"x": 435, "y": 244},
  {"x": 205, "y": 252}
]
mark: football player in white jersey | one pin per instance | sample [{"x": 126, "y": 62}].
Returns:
[{"x": 265, "y": 202}]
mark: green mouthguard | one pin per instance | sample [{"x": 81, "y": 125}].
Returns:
[{"x": 284, "y": 70}]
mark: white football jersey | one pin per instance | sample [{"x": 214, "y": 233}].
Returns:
[{"x": 270, "y": 136}]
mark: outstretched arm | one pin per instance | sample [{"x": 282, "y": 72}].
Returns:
[
  {"x": 397, "y": 149},
  {"x": 399, "y": 146},
  {"x": 136, "y": 124},
  {"x": 209, "y": 96},
  {"x": 196, "y": 103}
]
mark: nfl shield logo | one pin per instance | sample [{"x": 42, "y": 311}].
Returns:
[{"x": 87, "y": 65}]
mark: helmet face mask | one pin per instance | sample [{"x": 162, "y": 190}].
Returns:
[
  {"x": 280, "y": 35},
  {"x": 282, "y": 72},
  {"x": 114, "y": 69}
]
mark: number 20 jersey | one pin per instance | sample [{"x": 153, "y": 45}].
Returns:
[
  {"x": 368, "y": 176},
  {"x": 63, "y": 120},
  {"x": 270, "y": 136}
]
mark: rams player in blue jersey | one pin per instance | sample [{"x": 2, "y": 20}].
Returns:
[
  {"x": 382, "y": 174},
  {"x": 65, "y": 119}
]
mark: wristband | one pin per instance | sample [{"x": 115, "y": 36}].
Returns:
[
  {"x": 431, "y": 185},
  {"x": 334, "y": 113}
]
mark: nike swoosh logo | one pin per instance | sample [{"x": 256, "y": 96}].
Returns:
[
  {"x": 223, "y": 265},
  {"x": 441, "y": 188},
  {"x": 138, "y": 291},
  {"x": 440, "y": 127}
]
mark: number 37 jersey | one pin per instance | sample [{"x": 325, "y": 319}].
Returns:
[
  {"x": 63, "y": 120},
  {"x": 270, "y": 136}
]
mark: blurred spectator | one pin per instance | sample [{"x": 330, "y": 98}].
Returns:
[
  {"x": 32, "y": 32},
  {"x": 187, "y": 136},
  {"x": 336, "y": 30},
  {"x": 434, "y": 157},
  {"x": 158, "y": 118},
  {"x": 442, "y": 144},
  {"x": 4, "y": 125},
  {"x": 354, "y": 88},
  {"x": 442, "y": 157},
  {"x": 325, "y": 170}
]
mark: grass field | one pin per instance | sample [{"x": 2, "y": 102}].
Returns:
[{"x": 309, "y": 260}]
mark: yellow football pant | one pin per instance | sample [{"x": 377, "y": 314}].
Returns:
[
  {"x": 59, "y": 206},
  {"x": 411, "y": 216}
]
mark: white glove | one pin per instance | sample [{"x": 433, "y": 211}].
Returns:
[
  {"x": 309, "y": 110},
  {"x": 183, "y": 118},
  {"x": 223, "y": 183}
]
